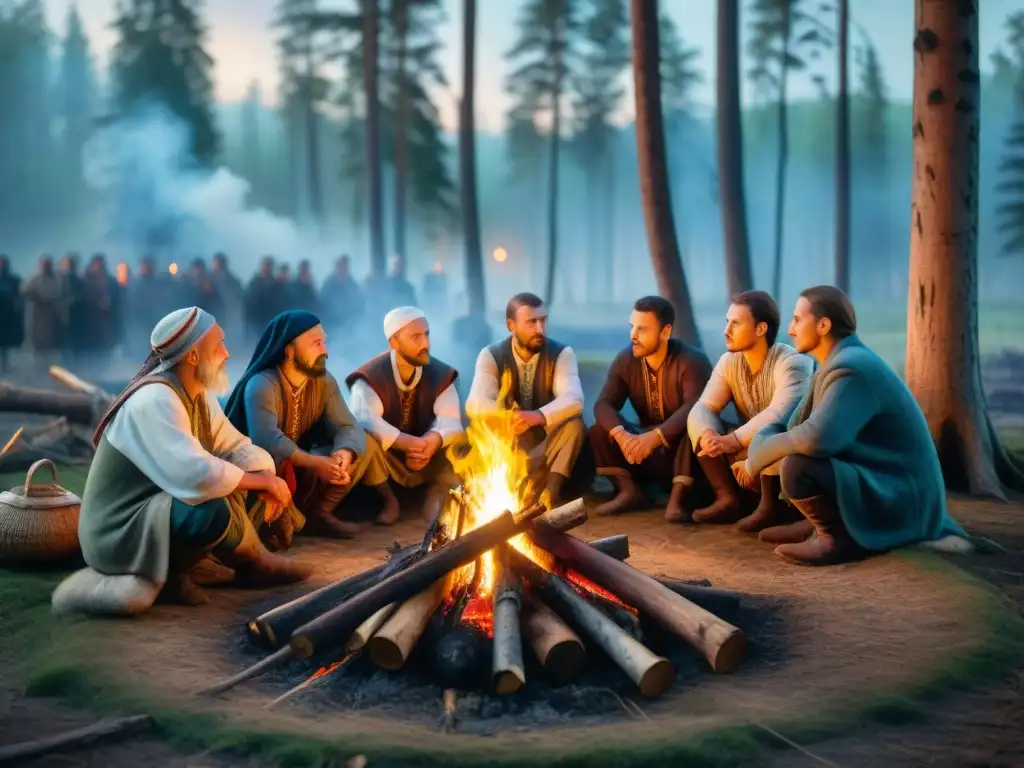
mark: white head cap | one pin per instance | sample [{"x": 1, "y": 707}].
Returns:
[
  {"x": 177, "y": 333},
  {"x": 398, "y": 318}
]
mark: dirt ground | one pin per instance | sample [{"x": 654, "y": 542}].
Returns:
[{"x": 856, "y": 628}]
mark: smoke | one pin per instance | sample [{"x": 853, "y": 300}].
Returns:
[{"x": 156, "y": 200}]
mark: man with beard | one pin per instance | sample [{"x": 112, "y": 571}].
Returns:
[
  {"x": 290, "y": 406},
  {"x": 543, "y": 393},
  {"x": 662, "y": 378},
  {"x": 858, "y": 460},
  {"x": 173, "y": 480},
  {"x": 764, "y": 381},
  {"x": 408, "y": 403}
]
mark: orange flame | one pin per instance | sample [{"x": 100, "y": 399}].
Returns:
[
  {"x": 324, "y": 671},
  {"x": 122, "y": 273}
]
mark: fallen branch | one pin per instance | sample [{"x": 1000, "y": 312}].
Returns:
[
  {"x": 69, "y": 380},
  {"x": 76, "y": 407},
  {"x": 277, "y": 658},
  {"x": 73, "y": 739}
]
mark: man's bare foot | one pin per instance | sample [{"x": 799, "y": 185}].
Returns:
[
  {"x": 181, "y": 590},
  {"x": 628, "y": 497},
  {"x": 389, "y": 512},
  {"x": 330, "y": 527},
  {"x": 675, "y": 512}
]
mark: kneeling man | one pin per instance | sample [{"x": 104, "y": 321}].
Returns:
[
  {"x": 857, "y": 457},
  {"x": 173, "y": 480},
  {"x": 662, "y": 378},
  {"x": 544, "y": 392},
  {"x": 290, "y": 406},
  {"x": 407, "y": 401},
  {"x": 764, "y": 381}
]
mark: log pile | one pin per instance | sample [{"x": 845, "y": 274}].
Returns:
[{"x": 547, "y": 594}]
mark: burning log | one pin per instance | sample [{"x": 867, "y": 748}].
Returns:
[
  {"x": 367, "y": 629},
  {"x": 722, "y": 644},
  {"x": 340, "y": 621},
  {"x": 559, "y": 650},
  {"x": 391, "y": 645},
  {"x": 652, "y": 674},
  {"x": 716, "y": 601},
  {"x": 563, "y": 518},
  {"x": 507, "y": 670},
  {"x": 613, "y": 546}
]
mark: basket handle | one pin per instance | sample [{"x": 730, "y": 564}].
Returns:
[{"x": 32, "y": 470}]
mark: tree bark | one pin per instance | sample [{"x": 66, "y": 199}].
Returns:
[
  {"x": 401, "y": 19},
  {"x": 371, "y": 87},
  {"x": 467, "y": 166},
  {"x": 780, "y": 170},
  {"x": 653, "y": 166},
  {"x": 556, "y": 143},
  {"x": 843, "y": 151},
  {"x": 943, "y": 366},
  {"x": 731, "y": 193}
]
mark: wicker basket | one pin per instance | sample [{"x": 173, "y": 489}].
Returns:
[{"x": 38, "y": 522}]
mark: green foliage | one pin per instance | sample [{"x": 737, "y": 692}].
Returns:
[
  {"x": 1010, "y": 211},
  {"x": 679, "y": 71},
  {"x": 77, "y": 90},
  {"x": 159, "y": 57},
  {"x": 871, "y": 104},
  {"x": 598, "y": 86},
  {"x": 785, "y": 37}
]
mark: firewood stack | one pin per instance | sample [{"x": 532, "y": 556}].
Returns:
[{"x": 545, "y": 590}]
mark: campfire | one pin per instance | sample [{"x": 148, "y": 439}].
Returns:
[{"x": 496, "y": 577}]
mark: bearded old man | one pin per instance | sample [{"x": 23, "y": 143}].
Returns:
[
  {"x": 662, "y": 378},
  {"x": 290, "y": 406},
  {"x": 857, "y": 459},
  {"x": 408, "y": 403},
  {"x": 172, "y": 480},
  {"x": 764, "y": 381},
  {"x": 545, "y": 396}
]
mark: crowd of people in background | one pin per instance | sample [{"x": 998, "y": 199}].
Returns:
[{"x": 65, "y": 313}]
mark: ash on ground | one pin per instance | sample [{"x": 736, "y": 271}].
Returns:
[{"x": 601, "y": 693}]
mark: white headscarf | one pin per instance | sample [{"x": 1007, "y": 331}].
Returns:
[{"x": 175, "y": 335}]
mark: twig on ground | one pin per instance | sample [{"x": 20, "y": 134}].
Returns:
[
  {"x": 449, "y": 700},
  {"x": 76, "y": 738},
  {"x": 12, "y": 441},
  {"x": 309, "y": 681},
  {"x": 795, "y": 746}
]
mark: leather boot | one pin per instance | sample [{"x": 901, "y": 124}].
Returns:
[
  {"x": 790, "y": 533},
  {"x": 180, "y": 589},
  {"x": 255, "y": 567},
  {"x": 831, "y": 542},
  {"x": 767, "y": 507},
  {"x": 726, "y": 507},
  {"x": 389, "y": 511},
  {"x": 628, "y": 496},
  {"x": 674, "y": 512}
]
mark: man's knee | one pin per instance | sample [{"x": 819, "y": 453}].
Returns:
[
  {"x": 598, "y": 435},
  {"x": 799, "y": 477},
  {"x": 200, "y": 525},
  {"x": 573, "y": 432}
]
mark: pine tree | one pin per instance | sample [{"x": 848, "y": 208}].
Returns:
[
  {"x": 785, "y": 36},
  {"x": 1010, "y": 212},
  {"x": 546, "y": 61},
  {"x": 252, "y": 150},
  {"x": 77, "y": 96},
  {"x": 599, "y": 94},
  {"x": 160, "y": 57}
]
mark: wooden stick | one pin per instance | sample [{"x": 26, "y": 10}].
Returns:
[
  {"x": 69, "y": 380},
  {"x": 507, "y": 672},
  {"x": 77, "y": 407},
  {"x": 337, "y": 624},
  {"x": 613, "y": 546},
  {"x": 448, "y": 720},
  {"x": 365, "y": 631},
  {"x": 12, "y": 441},
  {"x": 722, "y": 644},
  {"x": 559, "y": 650},
  {"x": 563, "y": 518},
  {"x": 278, "y": 657},
  {"x": 709, "y": 598},
  {"x": 309, "y": 681},
  {"x": 390, "y": 647},
  {"x": 652, "y": 674},
  {"x": 76, "y": 738}
]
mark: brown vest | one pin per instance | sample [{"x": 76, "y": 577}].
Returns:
[
  {"x": 543, "y": 378},
  {"x": 416, "y": 419}
]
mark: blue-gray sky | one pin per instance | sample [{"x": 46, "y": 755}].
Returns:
[{"x": 242, "y": 43}]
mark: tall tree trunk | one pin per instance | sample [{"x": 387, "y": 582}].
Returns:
[
  {"x": 312, "y": 142},
  {"x": 650, "y": 140},
  {"x": 843, "y": 152},
  {"x": 371, "y": 87},
  {"x": 731, "y": 193},
  {"x": 401, "y": 17},
  {"x": 943, "y": 367},
  {"x": 780, "y": 171},
  {"x": 609, "y": 223},
  {"x": 556, "y": 143},
  {"x": 467, "y": 165}
]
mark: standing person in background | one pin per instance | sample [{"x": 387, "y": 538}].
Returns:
[
  {"x": 75, "y": 321},
  {"x": 341, "y": 296},
  {"x": 231, "y": 292},
  {"x": 44, "y": 293},
  {"x": 100, "y": 290},
  {"x": 304, "y": 294},
  {"x": 259, "y": 298},
  {"x": 12, "y": 313},
  {"x": 401, "y": 291}
]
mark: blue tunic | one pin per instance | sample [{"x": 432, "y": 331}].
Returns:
[{"x": 860, "y": 415}]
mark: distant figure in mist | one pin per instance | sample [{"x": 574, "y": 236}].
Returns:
[
  {"x": 284, "y": 290},
  {"x": 401, "y": 291},
  {"x": 102, "y": 296},
  {"x": 75, "y": 321},
  {"x": 435, "y": 291},
  {"x": 231, "y": 292},
  {"x": 259, "y": 298},
  {"x": 341, "y": 296},
  {"x": 44, "y": 293},
  {"x": 12, "y": 313},
  {"x": 202, "y": 292},
  {"x": 304, "y": 293},
  {"x": 149, "y": 297}
]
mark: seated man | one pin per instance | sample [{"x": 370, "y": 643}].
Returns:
[
  {"x": 662, "y": 378},
  {"x": 408, "y": 403},
  {"x": 764, "y": 381},
  {"x": 857, "y": 457},
  {"x": 290, "y": 406},
  {"x": 544, "y": 390},
  {"x": 171, "y": 477}
]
